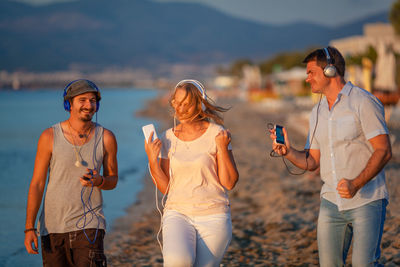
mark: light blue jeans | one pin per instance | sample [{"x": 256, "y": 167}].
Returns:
[
  {"x": 337, "y": 228},
  {"x": 199, "y": 241}
]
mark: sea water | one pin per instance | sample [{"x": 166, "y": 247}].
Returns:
[{"x": 23, "y": 117}]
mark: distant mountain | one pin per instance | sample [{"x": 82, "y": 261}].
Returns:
[{"x": 95, "y": 34}]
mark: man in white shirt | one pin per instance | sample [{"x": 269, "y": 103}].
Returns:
[{"x": 348, "y": 140}]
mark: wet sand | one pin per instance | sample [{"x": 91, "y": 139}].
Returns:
[{"x": 274, "y": 214}]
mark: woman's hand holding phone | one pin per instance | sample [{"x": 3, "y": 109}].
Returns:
[{"x": 152, "y": 144}]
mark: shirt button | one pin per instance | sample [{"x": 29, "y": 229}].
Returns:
[
  {"x": 331, "y": 154},
  {"x": 333, "y": 172}
]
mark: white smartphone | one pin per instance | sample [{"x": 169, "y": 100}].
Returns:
[{"x": 147, "y": 129}]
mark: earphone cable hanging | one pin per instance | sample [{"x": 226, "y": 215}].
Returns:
[{"x": 274, "y": 155}]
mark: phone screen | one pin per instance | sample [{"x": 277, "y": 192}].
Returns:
[
  {"x": 147, "y": 129},
  {"x": 279, "y": 135}
]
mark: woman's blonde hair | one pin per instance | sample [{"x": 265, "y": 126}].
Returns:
[{"x": 198, "y": 98}]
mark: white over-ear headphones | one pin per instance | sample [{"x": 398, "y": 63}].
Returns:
[
  {"x": 329, "y": 70},
  {"x": 199, "y": 86}
]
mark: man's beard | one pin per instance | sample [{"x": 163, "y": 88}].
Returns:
[{"x": 86, "y": 117}]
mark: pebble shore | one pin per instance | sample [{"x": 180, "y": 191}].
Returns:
[{"x": 274, "y": 214}]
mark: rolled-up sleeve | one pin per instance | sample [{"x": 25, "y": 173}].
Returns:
[{"x": 372, "y": 117}]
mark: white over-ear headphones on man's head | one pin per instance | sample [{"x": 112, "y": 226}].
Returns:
[
  {"x": 330, "y": 69},
  {"x": 199, "y": 86}
]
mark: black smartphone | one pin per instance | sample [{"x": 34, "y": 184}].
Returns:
[
  {"x": 86, "y": 178},
  {"x": 280, "y": 139}
]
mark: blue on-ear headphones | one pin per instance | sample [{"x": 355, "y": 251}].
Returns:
[
  {"x": 199, "y": 87},
  {"x": 67, "y": 104}
]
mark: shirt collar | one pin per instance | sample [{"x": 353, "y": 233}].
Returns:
[{"x": 346, "y": 89}]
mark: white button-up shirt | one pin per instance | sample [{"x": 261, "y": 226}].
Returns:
[{"x": 342, "y": 135}]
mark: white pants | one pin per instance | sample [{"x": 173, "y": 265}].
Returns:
[{"x": 196, "y": 240}]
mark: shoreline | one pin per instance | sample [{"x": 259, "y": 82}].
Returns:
[
  {"x": 141, "y": 215},
  {"x": 274, "y": 214}
]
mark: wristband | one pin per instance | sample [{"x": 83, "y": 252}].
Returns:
[
  {"x": 29, "y": 229},
  {"x": 102, "y": 182}
]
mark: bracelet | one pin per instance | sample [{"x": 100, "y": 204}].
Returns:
[
  {"x": 29, "y": 229},
  {"x": 102, "y": 182}
]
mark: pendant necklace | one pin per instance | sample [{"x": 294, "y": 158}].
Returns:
[
  {"x": 84, "y": 135},
  {"x": 177, "y": 134},
  {"x": 186, "y": 142},
  {"x": 79, "y": 161}
]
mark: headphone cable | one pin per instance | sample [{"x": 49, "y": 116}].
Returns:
[
  {"x": 90, "y": 211},
  {"x": 273, "y": 154},
  {"x": 157, "y": 205},
  {"x": 88, "y": 205}
]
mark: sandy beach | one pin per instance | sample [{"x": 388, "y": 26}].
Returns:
[{"x": 274, "y": 214}]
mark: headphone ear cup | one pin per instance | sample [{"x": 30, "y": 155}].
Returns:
[
  {"x": 330, "y": 71},
  {"x": 97, "y": 105},
  {"x": 203, "y": 107},
  {"x": 67, "y": 105}
]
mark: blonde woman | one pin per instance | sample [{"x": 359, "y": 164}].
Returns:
[{"x": 196, "y": 169}]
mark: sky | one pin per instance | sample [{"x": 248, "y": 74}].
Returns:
[{"x": 323, "y": 12}]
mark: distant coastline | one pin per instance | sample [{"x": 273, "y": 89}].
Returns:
[{"x": 121, "y": 78}]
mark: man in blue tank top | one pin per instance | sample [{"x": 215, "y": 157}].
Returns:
[{"x": 71, "y": 223}]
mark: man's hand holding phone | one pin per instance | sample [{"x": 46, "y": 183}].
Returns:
[
  {"x": 91, "y": 177},
  {"x": 280, "y": 139}
]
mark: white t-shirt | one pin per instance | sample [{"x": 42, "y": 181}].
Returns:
[{"x": 195, "y": 188}]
